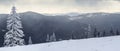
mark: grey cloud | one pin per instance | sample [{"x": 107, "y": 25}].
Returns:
[
  {"x": 51, "y": 1},
  {"x": 89, "y": 2},
  {"x": 74, "y": 2},
  {"x": 117, "y": 0},
  {"x": 4, "y": 2}
]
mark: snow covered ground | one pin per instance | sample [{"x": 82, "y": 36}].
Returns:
[{"x": 93, "y": 44}]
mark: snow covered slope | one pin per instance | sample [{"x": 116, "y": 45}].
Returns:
[{"x": 93, "y": 44}]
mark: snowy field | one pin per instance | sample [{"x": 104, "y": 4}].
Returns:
[{"x": 93, "y": 44}]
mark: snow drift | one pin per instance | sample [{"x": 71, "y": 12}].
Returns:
[{"x": 92, "y": 44}]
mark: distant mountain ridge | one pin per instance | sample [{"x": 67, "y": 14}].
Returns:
[{"x": 65, "y": 27}]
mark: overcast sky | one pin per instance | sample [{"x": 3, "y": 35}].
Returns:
[{"x": 61, "y": 6}]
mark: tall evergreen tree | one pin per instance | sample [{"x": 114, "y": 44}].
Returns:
[
  {"x": 89, "y": 31},
  {"x": 117, "y": 32},
  {"x": 95, "y": 32},
  {"x": 53, "y": 37},
  {"x": 30, "y": 40},
  {"x": 47, "y": 38},
  {"x": 99, "y": 34},
  {"x": 104, "y": 33},
  {"x": 15, "y": 35},
  {"x": 111, "y": 32},
  {"x": 72, "y": 36}
]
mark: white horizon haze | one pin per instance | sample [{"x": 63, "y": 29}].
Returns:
[{"x": 61, "y": 6}]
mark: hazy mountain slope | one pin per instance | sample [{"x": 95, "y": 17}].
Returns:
[
  {"x": 38, "y": 26},
  {"x": 64, "y": 26}
]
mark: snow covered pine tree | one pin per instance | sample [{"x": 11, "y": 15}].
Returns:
[
  {"x": 15, "y": 35},
  {"x": 47, "y": 38},
  {"x": 30, "y": 40},
  {"x": 52, "y": 37}
]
